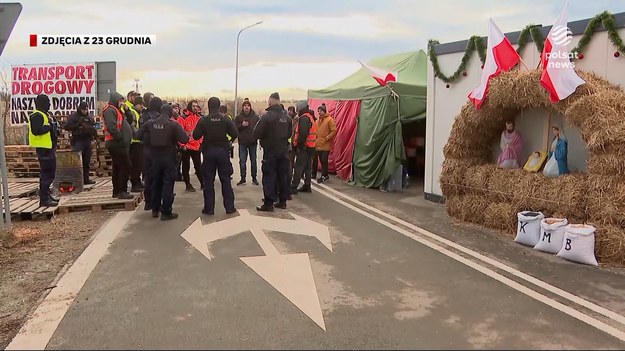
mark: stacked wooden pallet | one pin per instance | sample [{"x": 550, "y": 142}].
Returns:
[{"x": 22, "y": 159}]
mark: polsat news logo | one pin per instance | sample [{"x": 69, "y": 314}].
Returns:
[{"x": 91, "y": 40}]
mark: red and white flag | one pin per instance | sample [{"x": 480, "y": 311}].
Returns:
[
  {"x": 380, "y": 75},
  {"x": 500, "y": 56},
  {"x": 559, "y": 76}
]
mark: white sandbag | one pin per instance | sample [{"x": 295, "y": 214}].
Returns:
[
  {"x": 579, "y": 244},
  {"x": 552, "y": 235},
  {"x": 528, "y": 228}
]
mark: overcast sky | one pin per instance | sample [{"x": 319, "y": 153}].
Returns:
[{"x": 300, "y": 45}]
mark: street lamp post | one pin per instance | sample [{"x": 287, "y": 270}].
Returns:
[{"x": 236, "y": 70}]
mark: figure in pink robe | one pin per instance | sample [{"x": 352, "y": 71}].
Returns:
[{"x": 511, "y": 145}]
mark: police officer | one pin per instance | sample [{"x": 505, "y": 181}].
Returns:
[
  {"x": 152, "y": 112},
  {"x": 164, "y": 135},
  {"x": 274, "y": 130},
  {"x": 215, "y": 129},
  {"x": 43, "y": 136},
  {"x": 304, "y": 142}
]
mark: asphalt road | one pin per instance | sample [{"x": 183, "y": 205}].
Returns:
[{"x": 378, "y": 287}]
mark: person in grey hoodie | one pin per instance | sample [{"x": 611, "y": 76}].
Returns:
[{"x": 117, "y": 134}]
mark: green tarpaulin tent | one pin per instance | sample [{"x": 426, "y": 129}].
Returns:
[{"x": 376, "y": 125}]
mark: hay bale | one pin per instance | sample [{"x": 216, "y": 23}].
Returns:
[
  {"x": 502, "y": 216},
  {"x": 502, "y": 184},
  {"x": 599, "y": 117},
  {"x": 476, "y": 179},
  {"x": 570, "y": 194},
  {"x": 451, "y": 177},
  {"x": 606, "y": 199},
  {"x": 517, "y": 90},
  {"x": 609, "y": 161},
  {"x": 610, "y": 244},
  {"x": 467, "y": 208},
  {"x": 453, "y": 207}
]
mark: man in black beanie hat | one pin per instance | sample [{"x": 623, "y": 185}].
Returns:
[
  {"x": 164, "y": 135},
  {"x": 133, "y": 117},
  {"x": 304, "y": 143},
  {"x": 151, "y": 113},
  {"x": 274, "y": 130},
  {"x": 117, "y": 134},
  {"x": 215, "y": 129},
  {"x": 43, "y": 136},
  {"x": 82, "y": 126},
  {"x": 248, "y": 145}
]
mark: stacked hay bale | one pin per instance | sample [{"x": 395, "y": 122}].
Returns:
[{"x": 477, "y": 191}]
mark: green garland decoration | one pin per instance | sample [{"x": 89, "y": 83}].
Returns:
[
  {"x": 475, "y": 43},
  {"x": 533, "y": 31},
  {"x": 607, "y": 19}
]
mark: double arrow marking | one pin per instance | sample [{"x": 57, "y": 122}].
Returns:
[{"x": 290, "y": 274}]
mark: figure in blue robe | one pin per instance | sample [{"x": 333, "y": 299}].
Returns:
[{"x": 558, "y": 160}]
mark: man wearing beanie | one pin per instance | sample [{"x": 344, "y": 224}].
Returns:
[
  {"x": 117, "y": 134},
  {"x": 164, "y": 134},
  {"x": 304, "y": 143},
  {"x": 43, "y": 136},
  {"x": 82, "y": 127},
  {"x": 135, "y": 151},
  {"x": 151, "y": 113},
  {"x": 326, "y": 131},
  {"x": 245, "y": 123},
  {"x": 273, "y": 130},
  {"x": 215, "y": 129}
]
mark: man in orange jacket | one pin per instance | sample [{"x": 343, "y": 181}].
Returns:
[
  {"x": 191, "y": 150},
  {"x": 326, "y": 131}
]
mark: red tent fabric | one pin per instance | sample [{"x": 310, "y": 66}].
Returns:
[{"x": 345, "y": 113}]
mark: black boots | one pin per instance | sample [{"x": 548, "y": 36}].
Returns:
[
  {"x": 280, "y": 205},
  {"x": 265, "y": 208},
  {"x": 125, "y": 196},
  {"x": 169, "y": 216},
  {"x": 305, "y": 189}
]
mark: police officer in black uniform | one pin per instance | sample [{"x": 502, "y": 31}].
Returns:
[
  {"x": 274, "y": 130},
  {"x": 164, "y": 135},
  {"x": 215, "y": 128}
]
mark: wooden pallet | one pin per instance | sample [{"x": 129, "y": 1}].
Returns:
[
  {"x": 21, "y": 189},
  {"x": 98, "y": 198},
  {"x": 28, "y": 209}
]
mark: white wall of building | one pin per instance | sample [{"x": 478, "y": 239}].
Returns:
[{"x": 444, "y": 104}]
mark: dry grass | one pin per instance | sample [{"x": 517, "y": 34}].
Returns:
[{"x": 492, "y": 196}]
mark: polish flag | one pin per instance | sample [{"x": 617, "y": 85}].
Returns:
[
  {"x": 381, "y": 76},
  {"x": 500, "y": 56},
  {"x": 559, "y": 76}
]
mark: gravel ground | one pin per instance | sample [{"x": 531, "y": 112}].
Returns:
[{"x": 31, "y": 258}]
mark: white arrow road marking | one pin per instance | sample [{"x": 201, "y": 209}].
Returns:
[
  {"x": 290, "y": 274},
  {"x": 301, "y": 226}
]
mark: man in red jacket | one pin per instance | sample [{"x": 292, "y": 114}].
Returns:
[{"x": 191, "y": 150}]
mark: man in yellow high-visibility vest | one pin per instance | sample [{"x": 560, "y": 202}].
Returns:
[
  {"x": 136, "y": 151},
  {"x": 43, "y": 136}
]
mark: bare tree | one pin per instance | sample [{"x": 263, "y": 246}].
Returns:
[{"x": 5, "y": 96}]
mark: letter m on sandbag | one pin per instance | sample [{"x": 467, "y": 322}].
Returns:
[{"x": 547, "y": 236}]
